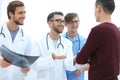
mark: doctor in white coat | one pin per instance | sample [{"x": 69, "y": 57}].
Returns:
[
  {"x": 13, "y": 37},
  {"x": 55, "y": 51}
]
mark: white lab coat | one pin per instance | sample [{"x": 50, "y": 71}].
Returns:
[
  {"x": 22, "y": 45},
  {"x": 46, "y": 67}
]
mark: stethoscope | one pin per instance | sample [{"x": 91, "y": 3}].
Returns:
[
  {"x": 78, "y": 39},
  {"x": 59, "y": 44},
  {"x": 1, "y": 32}
]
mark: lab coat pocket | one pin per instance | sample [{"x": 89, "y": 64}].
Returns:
[
  {"x": 18, "y": 75},
  {"x": 43, "y": 74}
]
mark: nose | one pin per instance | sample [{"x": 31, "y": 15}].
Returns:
[{"x": 23, "y": 14}]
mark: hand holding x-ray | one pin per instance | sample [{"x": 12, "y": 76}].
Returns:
[
  {"x": 4, "y": 63},
  {"x": 17, "y": 59}
]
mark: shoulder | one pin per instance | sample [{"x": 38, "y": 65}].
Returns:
[
  {"x": 63, "y": 35},
  {"x": 81, "y": 37},
  {"x": 24, "y": 34},
  {"x": 102, "y": 30},
  {"x": 104, "y": 26},
  {"x": 3, "y": 25},
  {"x": 66, "y": 41},
  {"x": 43, "y": 39}
]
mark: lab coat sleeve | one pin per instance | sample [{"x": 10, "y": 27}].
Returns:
[
  {"x": 43, "y": 62},
  {"x": 30, "y": 44},
  {"x": 0, "y": 56},
  {"x": 1, "y": 53},
  {"x": 68, "y": 62}
]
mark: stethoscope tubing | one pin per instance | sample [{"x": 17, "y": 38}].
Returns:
[
  {"x": 60, "y": 43},
  {"x": 1, "y": 32}
]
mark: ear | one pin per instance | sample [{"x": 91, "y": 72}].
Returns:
[
  {"x": 49, "y": 23},
  {"x": 10, "y": 14},
  {"x": 65, "y": 24},
  {"x": 99, "y": 7}
]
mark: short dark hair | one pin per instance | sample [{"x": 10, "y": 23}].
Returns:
[
  {"x": 12, "y": 6},
  {"x": 51, "y": 15},
  {"x": 68, "y": 17},
  {"x": 107, "y": 5}
]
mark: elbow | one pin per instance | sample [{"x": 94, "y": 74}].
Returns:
[{"x": 80, "y": 61}]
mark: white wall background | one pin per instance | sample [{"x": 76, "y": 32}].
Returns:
[
  {"x": 37, "y": 11},
  {"x": 41, "y": 10}
]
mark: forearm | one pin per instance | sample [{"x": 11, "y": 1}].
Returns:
[{"x": 81, "y": 69}]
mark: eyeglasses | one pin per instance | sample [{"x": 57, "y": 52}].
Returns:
[
  {"x": 59, "y": 21},
  {"x": 72, "y": 22}
]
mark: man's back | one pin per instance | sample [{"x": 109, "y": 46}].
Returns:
[{"x": 104, "y": 60}]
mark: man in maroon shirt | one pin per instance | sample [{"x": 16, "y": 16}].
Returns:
[{"x": 102, "y": 49}]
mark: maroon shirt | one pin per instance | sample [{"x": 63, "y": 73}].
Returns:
[{"x": 103, "y": 50}]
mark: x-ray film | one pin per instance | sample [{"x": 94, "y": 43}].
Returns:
[{"x": 17, "y": 59}]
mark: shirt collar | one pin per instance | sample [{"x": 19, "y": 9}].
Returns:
[{"x": 76, "y": 38}]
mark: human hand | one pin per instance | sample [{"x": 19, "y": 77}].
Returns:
[
  {"x": 61, "y": 57},
  {"x": 25, "y": 70},
  {"x": 78, "y": 72},
  {"x": 4, "y": 63},
  {"x": 58, "y": 56}
]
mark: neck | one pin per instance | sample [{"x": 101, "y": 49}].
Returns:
[
  {"x": 11, "y": 25},
  {"x": 106, "y": 18},
  {"x": 54, "y": 36},
  {"x": 72, "y": 34}
]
